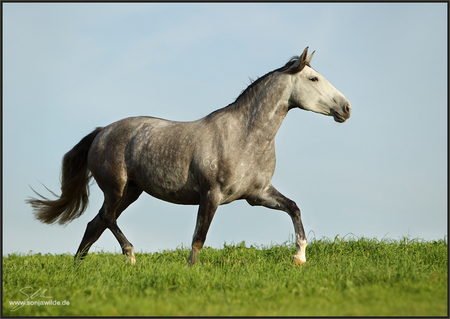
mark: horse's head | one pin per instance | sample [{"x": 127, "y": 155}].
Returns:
[{"x": 312, "y": 92}]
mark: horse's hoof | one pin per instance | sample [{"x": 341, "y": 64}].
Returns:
[{"x": 297, "y": 262}]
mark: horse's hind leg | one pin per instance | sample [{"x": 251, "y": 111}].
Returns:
[
  {"x": 272, "y": 198},
  {"x": 93, "y": 231},
  {"x": 106, "y": 218},
  {"x": 116, "y": 206},
  {"x": 127, "y": 247}
]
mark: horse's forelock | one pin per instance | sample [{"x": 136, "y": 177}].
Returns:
[{"x": 296, "y": 64}]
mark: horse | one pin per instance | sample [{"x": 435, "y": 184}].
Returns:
[{"x": 225, "y": 156}]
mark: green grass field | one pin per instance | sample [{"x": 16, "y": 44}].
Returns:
[{"x": 355, "y": 277}]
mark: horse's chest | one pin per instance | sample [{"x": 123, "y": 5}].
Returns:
[{"x": 238, "y": 178}]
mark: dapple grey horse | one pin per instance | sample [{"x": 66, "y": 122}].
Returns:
[{"x": 227, "y": 155}]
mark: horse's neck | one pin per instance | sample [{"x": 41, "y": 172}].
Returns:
[{"x": 264, "y": 114}]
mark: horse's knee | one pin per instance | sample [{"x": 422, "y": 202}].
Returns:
[{"x": 291, "y": 205}]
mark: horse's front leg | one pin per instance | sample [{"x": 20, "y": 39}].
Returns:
[
  {"x": 272, "y": 198},
  {"x": 206, "y": 210}
]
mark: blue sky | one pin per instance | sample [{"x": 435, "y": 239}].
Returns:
[{"x": 70, "y": 67}]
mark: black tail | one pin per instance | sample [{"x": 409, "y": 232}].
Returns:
[{"x": 74, "y": 187}]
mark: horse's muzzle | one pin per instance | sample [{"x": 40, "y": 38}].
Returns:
[{"x": 342, "y": 115}]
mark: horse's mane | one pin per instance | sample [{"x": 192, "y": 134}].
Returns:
[
  {"x": 254, "y": 87},
  {"x": 251, "y": 90}
]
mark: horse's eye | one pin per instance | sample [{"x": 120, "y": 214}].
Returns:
[{"x": 314, "y": 79}]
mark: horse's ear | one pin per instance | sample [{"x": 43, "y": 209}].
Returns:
[
  {"x": 300, "y": 60},
  {"x": 308, "y": 59},
  {"x": 304, "y": 55}
]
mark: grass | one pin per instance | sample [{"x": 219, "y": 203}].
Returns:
[{"x": 356, "y": 277}]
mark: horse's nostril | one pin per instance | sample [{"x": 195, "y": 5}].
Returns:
[{"x": 347, "y": 107}]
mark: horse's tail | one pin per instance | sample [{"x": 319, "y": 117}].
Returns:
[{"x": 75, "y": 177}]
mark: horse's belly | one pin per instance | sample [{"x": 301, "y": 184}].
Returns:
[
  {"x": 167, "y": 186},
  {"x": 185, "y": 197}
]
